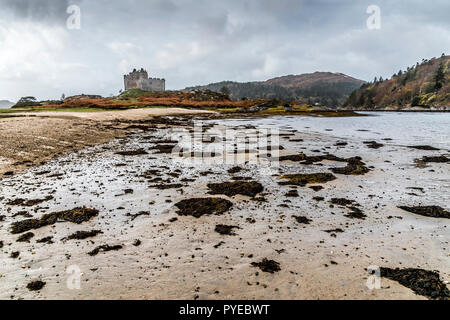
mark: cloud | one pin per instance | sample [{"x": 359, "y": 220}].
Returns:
[
  {"x": 48, "y": 11},
  {"x": 128, "y": 53},
  {"x": 28, "y": 45},
  {"x": 192, "y": 42}
]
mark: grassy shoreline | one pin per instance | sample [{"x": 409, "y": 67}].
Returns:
[{"x": 275, "y": 111}]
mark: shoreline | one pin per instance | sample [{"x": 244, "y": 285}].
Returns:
[
  {"x": 182, "y": 257},
  {"x": 31, "y": 139},
  {"x": 400, "y": 111}
]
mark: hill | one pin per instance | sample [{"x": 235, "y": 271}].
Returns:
[
  {"x": 423, "y": 86},
  {"x": 194, "y": 99},
  {"x": 324, "y": 88},
  {"x": 136, "y": 98},
  {"x": 5, "y": 104}
]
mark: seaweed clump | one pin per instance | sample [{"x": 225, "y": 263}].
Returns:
[
  {"x": 134, "y": 216},
  {"x": 355, "y": 213},
  {"x": 28, "y": 203},
  {"x": 234, "y": 170},
  {"x": 81, "y": 235},
  {"x": 434, "y": 159},
  {"x": 304, "y": 179},
  {"x": 105, "y": 248},
  {"x": 26, "y": 237},
  {"x": 164, "y": 148},
  {"x": 198, "y": 207},
  {"x": 427, "y": 148},
  {"x": 77, "y": 215},
  {"x": 266, "y": 265},
  {"x": 304, "y": 159},
  {"x": 166, "y": 186},
  {"x": 301, "y": 219},
  {"x": 137, "y": 152},
  {"x": 47, "y": 240},
  {"x": 423, "y": 282},
  {"x": 225, "y": 229},
  {"x": 428, "y": 211},
  {"x": 35, "y": 285},
  {"x": 292, "y": 194},
  {"x": 342, "y": 201},
  {"x": 373, "y": 144},
  {"x": 354, "y": 167},
  {"x": 246, "y": 188}
]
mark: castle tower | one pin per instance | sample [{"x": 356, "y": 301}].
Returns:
[{"x": 140, "y": 80}]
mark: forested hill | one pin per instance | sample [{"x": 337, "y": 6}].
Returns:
[
  {"x": 425, "y": 85},
  {"x": 324, "y": 88}
]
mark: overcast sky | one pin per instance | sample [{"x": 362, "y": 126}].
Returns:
[{"x": 192, "y": 42}]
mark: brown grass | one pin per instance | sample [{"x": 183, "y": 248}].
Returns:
[{"x": 163, "y": 99}]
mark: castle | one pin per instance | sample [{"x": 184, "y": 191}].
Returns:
[{"x": 140, "y": 80}]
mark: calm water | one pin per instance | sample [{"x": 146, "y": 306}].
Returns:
[{"x": 403, "y": 128}]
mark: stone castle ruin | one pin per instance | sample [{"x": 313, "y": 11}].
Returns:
[{"x": 140, "y": 80}]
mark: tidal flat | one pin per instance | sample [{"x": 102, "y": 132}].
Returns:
[{"x": 172, "y": 210}]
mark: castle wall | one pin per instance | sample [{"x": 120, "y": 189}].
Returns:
[{"x": 140, "y": 80}]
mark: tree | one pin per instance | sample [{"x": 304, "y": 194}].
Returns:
[
  {"x": 63, "y": 96},
  {"x": 370, "y": 103},
  {"x": 225, "y": 90},
  {"x": 27, "y": 102},
  {"x": 415, "y": 101},
  {"x": 439, "y": 77}
]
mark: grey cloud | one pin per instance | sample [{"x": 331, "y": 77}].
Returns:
[
  {"x": 39, "y": 10},
  {"x": 191, "y": 42}
]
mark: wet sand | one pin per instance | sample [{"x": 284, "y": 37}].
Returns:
[
  {"x": 34, "y": 138},
  {"x": 185, "y": 258},
  {"x": 130, "y": 114}
]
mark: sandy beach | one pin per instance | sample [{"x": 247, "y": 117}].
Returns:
[
  {"x": 35, "y": 137},
  {"x": 142, "y": 245}
]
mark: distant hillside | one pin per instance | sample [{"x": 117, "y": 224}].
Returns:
[
  {"x": 325, "y": 88},
  {"x": 425, "y": 85},
  {"x": 5, "y": 104}
]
